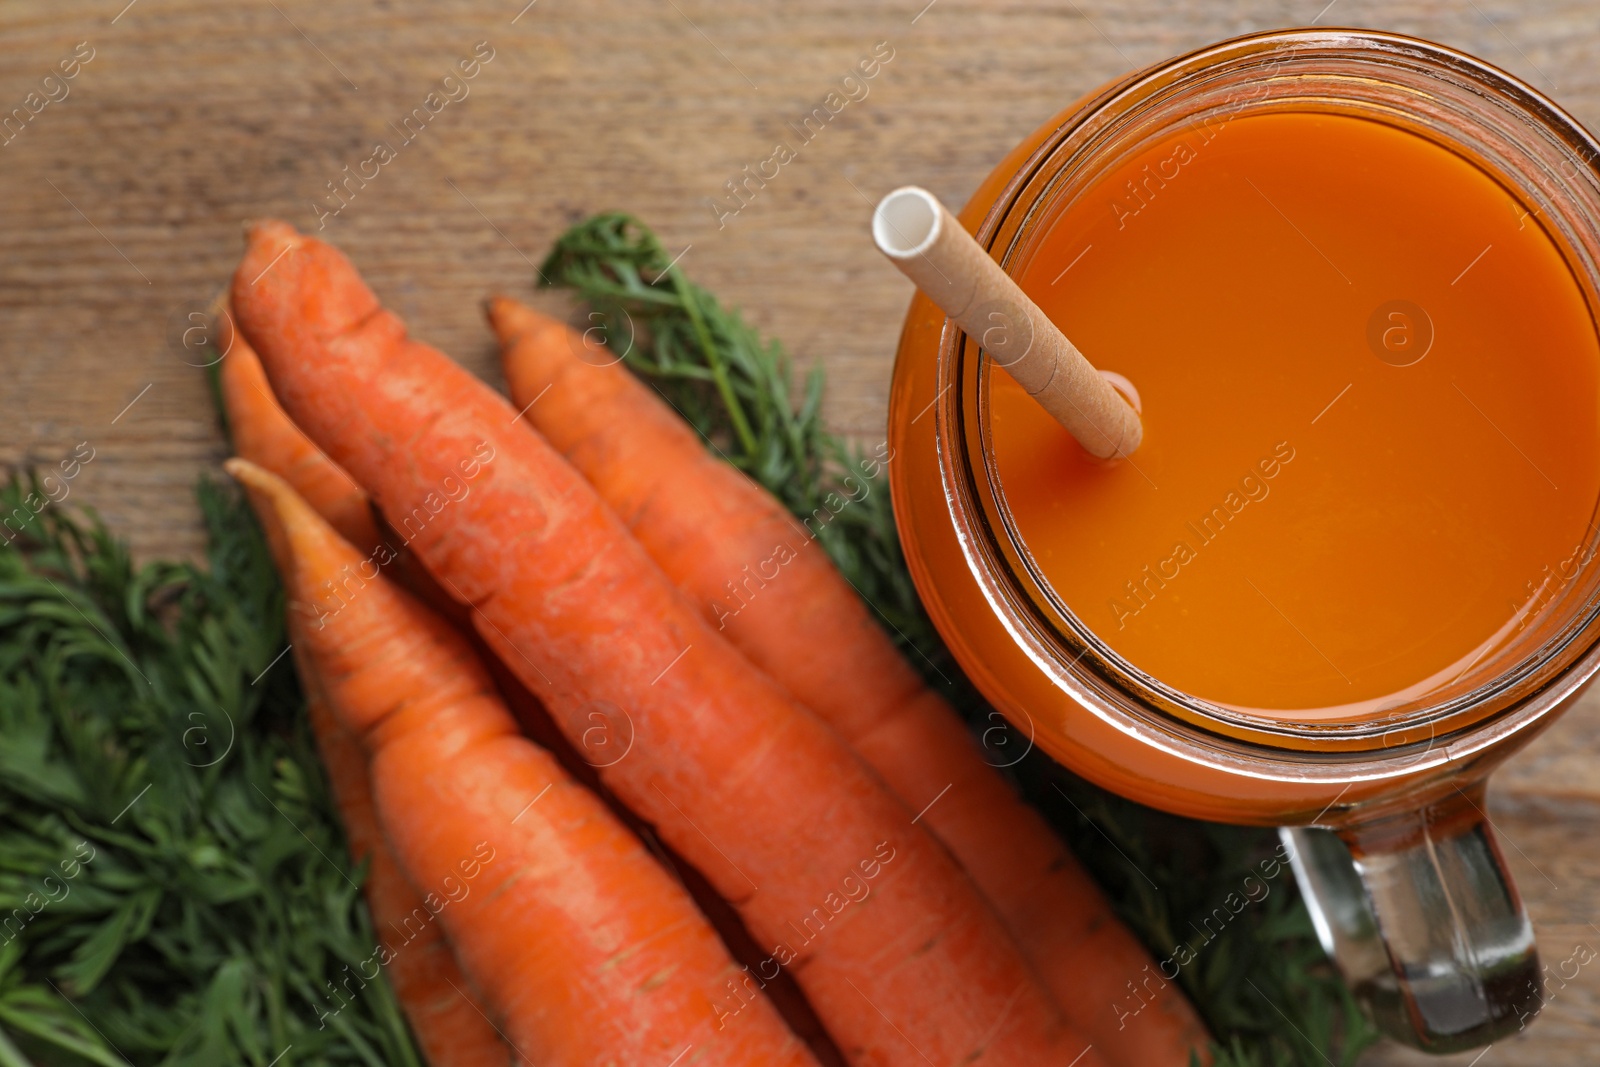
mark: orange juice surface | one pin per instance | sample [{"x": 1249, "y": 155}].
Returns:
[{"x": 1371, "y": 404}]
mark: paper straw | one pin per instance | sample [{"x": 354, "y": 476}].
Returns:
[{"x": 931, "y": 248}]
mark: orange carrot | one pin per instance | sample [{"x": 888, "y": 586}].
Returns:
[
  {"x": 264, "y": 434},
  {"x": 892, "y": 944},
  {"x": 580, "y": 943},
  {"x": 761, "y": 578}
]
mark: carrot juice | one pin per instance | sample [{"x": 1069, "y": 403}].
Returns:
[{"x": 1370, "y": 388}]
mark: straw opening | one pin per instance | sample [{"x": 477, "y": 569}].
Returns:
[{"x": 906, "y": 222}]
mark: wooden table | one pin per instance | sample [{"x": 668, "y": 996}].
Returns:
[{"x": 120, "y": 207}]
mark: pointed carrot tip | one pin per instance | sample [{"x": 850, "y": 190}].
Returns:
[
  {"x": 288, "y": 521},
  {"x": 503, "y": 313},
  {"x": 249, "y": 475},
  {"x": 513, "y": 320}
]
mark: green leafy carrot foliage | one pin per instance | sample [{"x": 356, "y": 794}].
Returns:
[{"x": 174, "y": 886}]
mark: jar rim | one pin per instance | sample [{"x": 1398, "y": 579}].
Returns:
[{"x": 1068, "y": 648}]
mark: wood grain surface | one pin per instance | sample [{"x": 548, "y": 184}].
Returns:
[{"x": 120, "y": 207}]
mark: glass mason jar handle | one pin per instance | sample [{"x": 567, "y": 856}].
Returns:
[{"x": 1424, "y": 922}]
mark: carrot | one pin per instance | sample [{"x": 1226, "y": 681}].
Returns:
[
  {"x": 579, "y": 942},
  {"x": 760, "y": 577},
  {"x": 890, "y": 942},
  {"x": 263, "y": 433}
]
